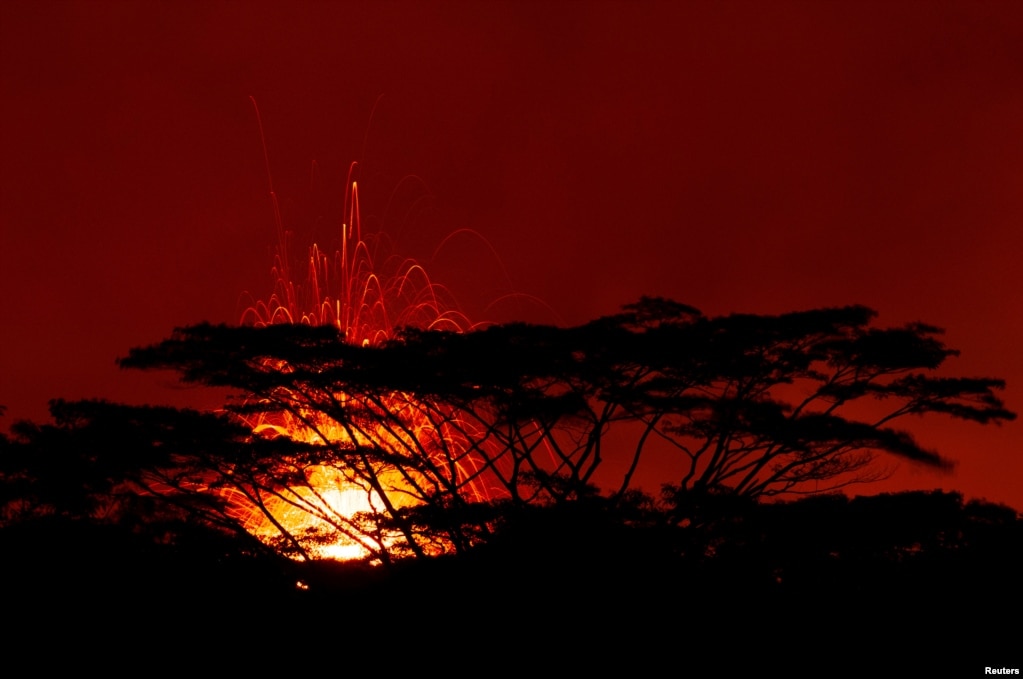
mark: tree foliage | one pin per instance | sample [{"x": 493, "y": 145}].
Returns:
[
  {"x": 438, "y": 428},
  {"x": 440, "y": 436},
  {"x": 490, "y": 445}
]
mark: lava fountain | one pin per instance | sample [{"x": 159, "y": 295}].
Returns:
[{"x": 331, "y": 507}]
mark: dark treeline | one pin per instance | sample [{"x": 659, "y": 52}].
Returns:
[{"x": 479, "y": 451}]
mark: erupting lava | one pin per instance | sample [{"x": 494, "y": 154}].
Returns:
[
  {"x": 329, "y": 511},
  {"x": 345, "y": 289}
]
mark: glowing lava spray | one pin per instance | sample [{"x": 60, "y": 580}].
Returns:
[{"x": 332, "y": 507}]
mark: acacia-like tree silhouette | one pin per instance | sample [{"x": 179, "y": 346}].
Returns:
[
  {"x": 439, "y": 428},
  {"x": 488, "y": 444}
]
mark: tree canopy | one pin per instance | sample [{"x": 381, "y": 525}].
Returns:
[{"x": 437, "y": 429}]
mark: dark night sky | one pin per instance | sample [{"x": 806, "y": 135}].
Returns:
[{"x": 757, "y": 157}]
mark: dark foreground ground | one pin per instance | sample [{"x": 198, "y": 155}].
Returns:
[{"x": 904, "y": 585}]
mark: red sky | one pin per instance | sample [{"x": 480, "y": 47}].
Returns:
[{"x": 756, "y": 157}]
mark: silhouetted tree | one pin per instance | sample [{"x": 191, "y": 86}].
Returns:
[
  {"x": 761, "y": 405},
  {"x": 432, "y": 423},
  {"x": 144, "y": 468},
  {"x": 116, "y": 505}
]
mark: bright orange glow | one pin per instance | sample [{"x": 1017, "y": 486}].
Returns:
[{"x": 332, "y": 509}]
